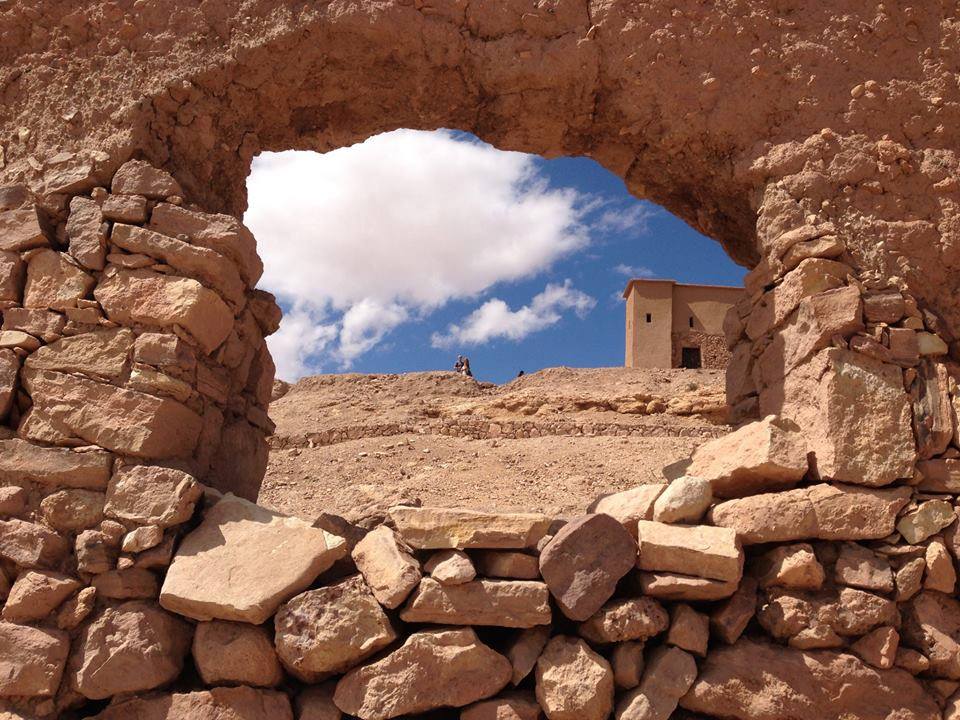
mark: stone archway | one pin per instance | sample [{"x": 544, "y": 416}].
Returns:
[{"x": 818, "y": 145}]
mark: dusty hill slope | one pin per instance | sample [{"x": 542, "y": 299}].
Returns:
[{"x": 552, "y": 440}]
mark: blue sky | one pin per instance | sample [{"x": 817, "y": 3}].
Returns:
[{"x": 399, "y": 253}]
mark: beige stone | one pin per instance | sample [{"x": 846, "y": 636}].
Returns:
[
  {"x": 54, "y": 282},
  {"x": 701, "y": 551},
  {"x": 904, "y": 346},
  {"x": 584, "y": 561},
  {"x": 152, "y": 495},
  {"x": 826, "y": 614},
  {"x": 574, "y": 682},
  {"x": 685, "y": 500},
  {"x": 9, "y": 372},
  {"x": 243, "y": 561},
  {"x": 940, "y": 476},
  {"x": 11, "y": 277},
  {"x": 387, "y": 566},
  {"x": 143, "y": 296},
  {"x": 17, "y": 340},
  {"x": 909, "y": 578},
  {"x": 761, "y": 455},
  {"x": 125, "y": 421},
  {"x": 125, "y": 208},
  {"x": 668, "y": 676},
  {"x": 96, "y": 552},
  {"x": 791, "y": 566},
  {"x": 941, "y": 574},
  {"x": 878, "y": 647},
  {"x": 13, "y": 500},
  {"x": 731, "y": 618},
  {"x": 861, "y": 568},
  {"x": 136, "y": 177},
  {"x": 513, "y": 706},
  {"x": 428, "y": 528},
  {"x": 86, "y": 232},
  {"x": 630, "y": 506},
  {"x": 22, "y": 229},
  {"x": 209, "y": 267},
  {"x": 825, "y": 512},
  {"x": 43, "y": 324},
  {"x": 142, "y": 538},
  {"x": 129, "y": 648},
  {"x": 450, "y": 567},
  {"x": 432, "y": 669},
  {"x": 154, "y": 382},
  {"x": 524, "y": 649},
  {"x": 760, "y": 681},
  {"x": 100, "y": 354},
  {"x": 884, "y": 307},
  {"x": 315, "y": 702},
  {"x": 130, "y": 583},
  {"x": 30, "y": 545},
  {"x": 911, "y": 661},
  {"x": 622, "y": 620},
  {"x": 502, "y": 603},
  {"x": 36, "y": 594},
  {"x": 929, "y": 344},
  {"x": 927, "y": 519},
  {"x": 507, "y": 564},
  {"x": 77, "y": 609},
  {"x": 689, "y": 630},
  {"x": 331, "y": 629},
  {"x": 220, "y": 703},
  {"x": 31, "y": 660},
  {"x": 227, "y": 653},
  {"x": 931, "y": 624},
  {"x": 73, "y": 509},
  {"x": 627, "y": 663},
  {"x": 675, "y": 586}
]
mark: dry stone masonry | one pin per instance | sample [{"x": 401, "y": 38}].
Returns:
[{"x": 802, "y": 567}]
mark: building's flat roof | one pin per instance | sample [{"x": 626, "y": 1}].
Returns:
[{"x": 634, "y": 281}]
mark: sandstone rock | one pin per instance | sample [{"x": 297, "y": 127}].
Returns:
[
  {"x": 30, "y": 545},
  {"x": 152, "y": 495},
  {"x": 685, "y": 500},
  {"x": 584, "y": 561},
  {"x": 46, "y": 325},
  {"x": 502, "y": 603},
  {"x": 627, "y": 663},
  {"x": 127, "y": 584},
  {"x": 143, "y": 296},
  {"x": 507, "y": 564},
  {"x": 54, "y": 282},
  {"x": 209, "y": 267},
  {"x": 621, "y": 620},
  {"x": 331, "y": 629},
  {"x": 701, "y": 551},
  {"x": 791, "y": 566},
  {"x": 513, "y": 706},
  {"x": 732, "y": 617},
  {"x": 668, "y": 676},
  {"x": 904, "y": 346},
  {"x": 689, "y": 630},
  {"x": 243, "y": 561},
  {"x": 125, "y": 421},
  {"x": 221, "y": 703},
  {"x": 136, "y": 177},
  {"x": 96, "y": 552},
  {"x": 859, "y": 567},
  {"x": 761, "y": 455},
  {"x": 75, "y": 610},
  {"x": 31, "y": 660},
  {"x": 940, "y": 476},
  {"x": 387, "y": 566},
  {"x": 932, "y": 411},
  {"x": 759, "y": 681},
  {"x": 22, "y": 229},
  {"x": 432, "y": 669},
  {"x": 221, "y": 233},
  {"x": 675, "y": 586},
  {"x": 16, "y": 340},
  {"x": 911, "y": 661},
  {"x": 941, "y": 575},
  {"x": 878, "y": 647},
  {"x": 227, "y": 653},
  {"x": 909, "y": 578},
  {"x": 931, "y": 624},
  {"x": 826, "y": 512},
  {"x": 450, "y": 567},
  {"x": 854, "y": 414},
  {"x": 11, "y": 277},
  {"x": 926, "y": 520},
  {"x": 929, "y": 344},
  {"x": 574, "y": 682},
  {"x": 71, "y": 510},
  {"x": 884, "y": 307},
  {"x": 100, "y": 354},
  {"x": 125, "y": 208},
  {"x": 163, "y": 349},
  {"x": 86, "y": 233},
  {"x": 9, "y": 370},
  {"x": 36, "y": 594},
  {"x": 441, "y": 528},
  {"x": 142, "y": 538},
  {"x": 129, "y": 648},
  {"x": 316, "y": 703},
  {"x": 824, "y": 615},
  {"x": 524, "y": 650},
  {"x": 13, "y": 500},
  {"x": 630, "y": 506}
]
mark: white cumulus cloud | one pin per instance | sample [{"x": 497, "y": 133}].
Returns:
[
  {"x": 634, "y": 271},
  {"x": 494, "y": 319},
  {"x": 361, "y": 239}
]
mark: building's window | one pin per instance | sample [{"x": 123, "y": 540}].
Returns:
[
  {"x": 649, "y": 317},
  {"x": 691, "y": 321}
]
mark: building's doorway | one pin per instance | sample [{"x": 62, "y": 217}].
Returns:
[{"x": 690, "y": 358}]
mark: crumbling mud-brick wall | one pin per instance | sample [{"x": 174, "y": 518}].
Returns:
[
  {"x": 713, "y": 350},
  {"x": 805, "y": 565}
]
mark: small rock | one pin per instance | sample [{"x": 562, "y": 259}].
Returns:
[
  {"x": 911, "y": 661},
  {"x": 732, "y": 617},
  {"x": 142, "y": 538},
  {"x": 909, "y": 578},
  {"x": 574, "y": 682},
  {"x": 941, "y": 575},
  {"x": 791, "y": 566},
  {"x": 627, "y": 663},
  {"x": 72, "y": 510},
  {"x": 689, "y": 630},
  {"x": 631, "y": 619},
  {"x": 96, "y": 552},
  {"x": 859, "y": 567},
  {"x": 13, "y": 500},
  {"x": 878, "y": 647},
  {"x": 668, "y": 676},
  {"x": 388, "y": 568},
  {"x": 629, "y": 506},
  {"x": 75, "y": 610},
  {"x": 928, "y": 519},
  {"x": 524, "y": 650},
  {"x": 152, "y": 495},
  {"x": 315, "y": 702},
  {"x": 513, "y": 706},
  {"x": 220, "y": 703},
  {"x": 228, "y": 653},
  {"x": 136, "y": 177},
  {"x": 685, "y": 500},
  {"x": 31, "y": 660},
  {"x": 450, "y": 567},
  {"x": 701, "y": 551},
  {"x": 443, "y": 528},
  {"x": 507, "y": 564},
  {"x": 674, "y": 586},
  {"x": 36, "y": 594},
  {"x": 30, "y": 545},
  {"x": 128, "y": 584},
  {"x": 501, "y": 603}
]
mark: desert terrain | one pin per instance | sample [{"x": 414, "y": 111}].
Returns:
[{"x": 551, "y": 441}]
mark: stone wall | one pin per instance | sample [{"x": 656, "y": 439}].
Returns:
[{"x": 713, "y": 351}]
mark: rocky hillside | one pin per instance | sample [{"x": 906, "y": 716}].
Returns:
[{"x": 550, "y": 441}]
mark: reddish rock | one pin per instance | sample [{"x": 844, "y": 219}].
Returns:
[
  {"x": 125, "y": 208},
  {"x": 30, "y": 545},
  {"x": 584, "y": 561},
  {"x": 941, "y": 574},
  {"x": 136, "y": 177},
  {"x": 878, "y": 647},
  {"x": 316, "y": 703},
  {"x": 12, "y": 272},
  {"x": 20, "y": 460},
  {"x": 152, "y": 495},
  {"x": 31, "y": 660},
  {"x": 86, "y": 232},
  {"x": 524, "y": 650},
  {"x": 127, "y": 584},
  {"x": 631, "y": 619},
  {"x": 689, "y": 630},
  {"x": 75, "y": 610},
  {"x": 228, "y": 653},
  {"x": 428, "y": 528},
  {"x": 931, "y": 624},
  {"x": 22, "y": 229},
  {"x": 667, "y": 677},
  {"x": 387, "y": 566},
  {"x": 574, "y": 682},
  {"x": 701, "y": 551},
  {"x": 513, "y": 706},
  {"x": 507, "y": 564},
  {"x": 13, "y": 500},
  {"x": 791, "y": 566},
  {"x": 630, "y": 506},
  {"x": 221, "y": 703},
  {"x": 731, "y": 618},
  {"x": 685, "y": 500},
  {"x": 627, "y": 663},
  {"x": 861, "y": 568},
  {"x": 674, "y": 586},
  {"x": 36, "y": 594},
  {"x": 54, "y": 282},
  {"x": 450, "y": 567},
  {"x": 502, "y": 603},
  {"x": 72, "y": 510}
]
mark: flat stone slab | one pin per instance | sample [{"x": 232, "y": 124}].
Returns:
[
  {"x": 243, "y": 561},
  {"x": 501, "y": 603},
  {"x": 428, "y": 528},
  {"x": 700, "y": 550},
  {"x": 20, "y": 460}
]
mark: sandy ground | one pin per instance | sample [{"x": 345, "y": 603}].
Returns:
[{"x": 559, "y": 475}]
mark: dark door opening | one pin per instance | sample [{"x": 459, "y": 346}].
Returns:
[{"x": 690, "y": 358}]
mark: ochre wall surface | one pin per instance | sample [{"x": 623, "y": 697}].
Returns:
[{"x": 805, "y": 566}]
